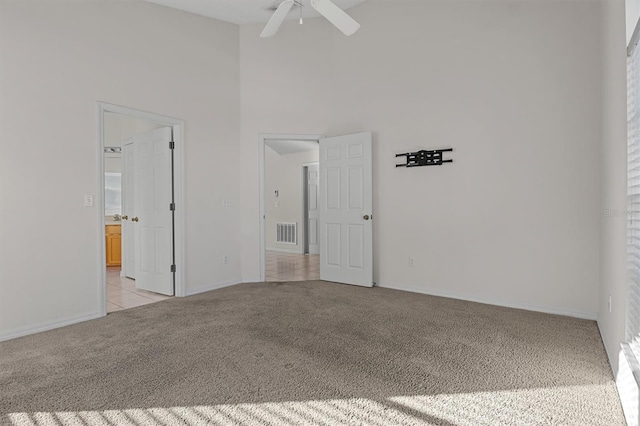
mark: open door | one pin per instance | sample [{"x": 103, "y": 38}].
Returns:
[
  {"x": 154, "y": 207},
  {"x": 346, "y": 206}
]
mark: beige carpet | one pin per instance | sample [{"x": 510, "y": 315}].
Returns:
[{"x": 311, "y": 353}]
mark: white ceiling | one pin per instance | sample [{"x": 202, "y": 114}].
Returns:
[
  {"x": 286, "y": 147},
  {"x": 244, "y": 11}
]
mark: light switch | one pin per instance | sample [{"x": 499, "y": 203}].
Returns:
[
  {"x": 226, "y": 203},
  {"x": 88, "y": 200}
]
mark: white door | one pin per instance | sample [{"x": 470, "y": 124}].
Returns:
[
  {"x": 313, "y": 209},
  {"x": 153, "y": 219},
  {"x": 346, "y": 206},
  {"x": 128, "y": 211}
]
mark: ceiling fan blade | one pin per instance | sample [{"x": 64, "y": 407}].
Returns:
[
  {"x": 277, "y": 19},
  {"x": 336, "y": 16}
]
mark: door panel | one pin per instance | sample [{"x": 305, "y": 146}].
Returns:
[
  {"x": 346, "y": 205},
  {"x": 356, "y": 187},
  {"x": 334, "y": 245},
  {"x": 356, "y": 246},
  {"x": 334, "y": 188}
]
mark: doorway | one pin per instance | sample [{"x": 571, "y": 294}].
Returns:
[
  {"x": 345, "y": 188},
  {"x": 140, "y": 207},
  {"x": 290, "y": 250}
]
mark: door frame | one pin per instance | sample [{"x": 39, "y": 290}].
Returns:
[
  {"x": 178, "y": 136},
  {"x": 262, "y": 138},
  {"x": 305, "y": 202}
]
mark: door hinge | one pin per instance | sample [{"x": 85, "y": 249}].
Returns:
[
  {"x": 172, "y": 145},
  {"x": 173, "y": 268},
  {"x": 172, "y": 207}
]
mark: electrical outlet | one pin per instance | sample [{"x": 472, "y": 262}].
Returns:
[
  {"x": 225, "y": 259},
  {"x": 226, "y": 203},
  {"x": 88, "y": 200},
  {"x": 609, "y": 303},
  {"x": 412, "y": 262}
]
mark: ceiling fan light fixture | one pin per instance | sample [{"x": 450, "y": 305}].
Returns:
[
  {"x": 301, "y": 21},
  {"x": 338, "y": 17}
]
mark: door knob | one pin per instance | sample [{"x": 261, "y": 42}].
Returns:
[
  {"x": 366, "y": 217},
  {"x": 125, "y": 217},
  {"x": 135, "y": 219}
]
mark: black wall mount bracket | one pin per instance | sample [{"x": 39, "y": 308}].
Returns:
[{"x": 425, "y": 158}]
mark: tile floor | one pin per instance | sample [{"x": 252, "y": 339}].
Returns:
[
  {"x": 122, "y": 292},
  {"x": 292, "y": 267}
]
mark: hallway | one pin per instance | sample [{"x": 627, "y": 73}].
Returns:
[{"x": 292, "y": 267}]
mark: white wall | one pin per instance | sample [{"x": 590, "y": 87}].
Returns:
[
  {"x": 284, "y": 173},
  {"x": 57, "y": 60},
  {"x": 502, "y": 82},
  {"x": 513, "y": 86},
  {"x": 613, "y": 173}
]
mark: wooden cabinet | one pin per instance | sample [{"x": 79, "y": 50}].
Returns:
[{"x": 114, "y": 245}]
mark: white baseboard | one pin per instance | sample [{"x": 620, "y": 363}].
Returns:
[
  {"x": 281, "y": 250},
  {"x": 252, "y": 280},
  {"x": 45, "y": 326},
  {"x": 569, "y": 313},
  {"x": 613, "y": 358},
  {"x": 211, "y": 287}
]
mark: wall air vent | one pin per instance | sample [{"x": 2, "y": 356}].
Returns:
[{"x": 287, "y": 233}]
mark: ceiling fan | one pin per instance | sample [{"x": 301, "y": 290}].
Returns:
[{"x": 326, "y": 8}]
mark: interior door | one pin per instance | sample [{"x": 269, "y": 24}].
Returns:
[
  {"x": 313, "y": 209},
  {"x": 128, "y": 212},
  {"x": 346, "y": 205},
  {"x": 153, "y": 218}
]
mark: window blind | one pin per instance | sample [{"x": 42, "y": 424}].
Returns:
[{"x": 633, "y": 200}]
